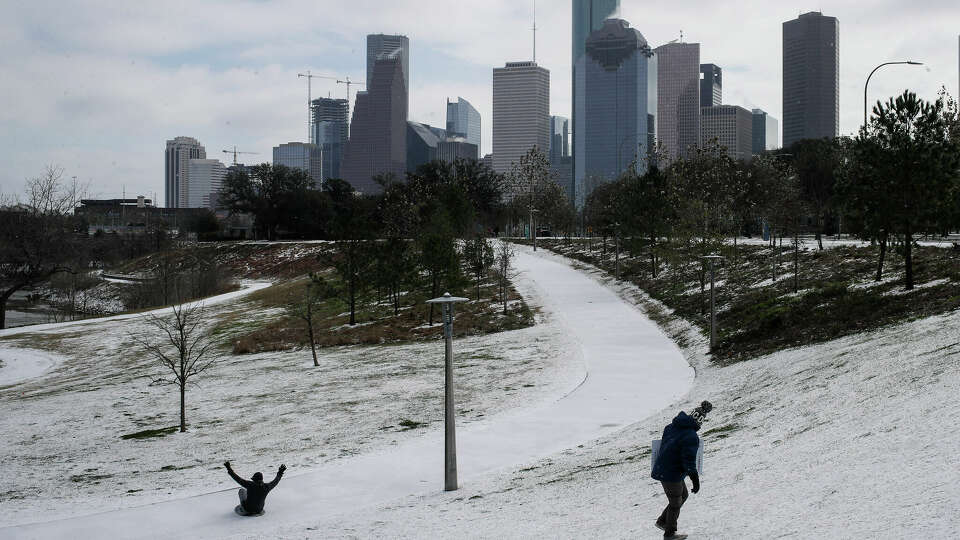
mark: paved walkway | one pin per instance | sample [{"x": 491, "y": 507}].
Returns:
[{"x": 633, "y": 371}]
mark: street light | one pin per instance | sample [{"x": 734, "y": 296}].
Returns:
[
  {"x": 713, "y": 309},
  {"x": 450, "y": 431},
  {"x": 533, "y": 232},
  {"x": 910, "y": 62}
]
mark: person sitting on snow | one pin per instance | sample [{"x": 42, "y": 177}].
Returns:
[
  {"x": 678, "y": 459},
  {"x": 254, "y": 492}
]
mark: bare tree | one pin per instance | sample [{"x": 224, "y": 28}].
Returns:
[
  {"x": 504, "y": 258},
  {"x": 38, "y": 237},
  {"x": 183, "y": 349},
  {"x": 308, "y": 307}
]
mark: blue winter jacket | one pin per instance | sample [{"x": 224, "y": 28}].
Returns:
[{"x": 678, "y": 450}]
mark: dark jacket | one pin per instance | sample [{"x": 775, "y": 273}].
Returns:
[
  {"x": 678, "y": 450},
  {"x": 256, "y": 491}
]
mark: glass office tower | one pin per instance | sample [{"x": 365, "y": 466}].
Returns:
[
  {"x": 617, "y": 78},
  {"x": 588, "y": 16},
  {"x": 330, "y": 131},
  {"x": 464, "y": 120}
]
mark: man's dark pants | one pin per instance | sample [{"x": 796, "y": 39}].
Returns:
[{"x": 676, "y": 495}]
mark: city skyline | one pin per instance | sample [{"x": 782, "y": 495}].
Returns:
[{"x": 231, "y": 81}]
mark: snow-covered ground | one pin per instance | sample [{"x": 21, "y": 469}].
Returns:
[
  {"x": 851, "y": 439},
  {"x": 855, "y": 438},
  {"x": 634, "y": 370}
]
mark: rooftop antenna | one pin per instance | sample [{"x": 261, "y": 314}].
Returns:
[
  {"x": 681, "y": 36},
  {"x": 534, "y": 31}
]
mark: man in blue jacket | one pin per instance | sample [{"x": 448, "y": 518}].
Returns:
[{"x": 678, "y": 459}]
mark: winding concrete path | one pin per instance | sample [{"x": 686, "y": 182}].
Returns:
[{"x": 634, "y": 370}]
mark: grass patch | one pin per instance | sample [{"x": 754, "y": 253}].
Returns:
[
  {"x": 151, "y": 433},
  {"x": 722, "y": 429},
  {"x": 377, "y": 322},
  {"x": 407, "y": 424}
]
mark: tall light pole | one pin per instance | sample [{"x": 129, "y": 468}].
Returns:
[
  {"x": 713, "y": 305},
  {"x": 449, "y": 420},
  {"x": 910, "y": 62},
  {"x": 533, "y": 232}
]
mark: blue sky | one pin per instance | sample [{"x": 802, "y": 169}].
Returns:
[{"x": 98, "y": 86}]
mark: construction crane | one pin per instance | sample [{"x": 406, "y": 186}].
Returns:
[
  {"x": 235, "y": 152},
  {"x": 310, "y": 76},
  {"x": 348, "y": 82}
]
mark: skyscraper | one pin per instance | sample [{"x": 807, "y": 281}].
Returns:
[
  {"x": 811, "y": 78},
  {"x": 617, "y": 78},
  {"x": 588, "y": 16},
  {"x": 765, "y": 135},
  {"x": 206, "y": 178},
  {"x": 521, "y": 112},
  {"x": 455, "y": 147},
  {"x": 559, "y": 137},
  {"x": 331, "y": 129},
  {"x": 678, "y": 95},
  {"x": 422, "y": 142},
  {"x": 303, "y": 156},
  {"x": 711, "y": 85},
  {"x": 463, "y": 119},
  {"x": 383, "y": 44},
  {"x": 180, "y": 151},
  {"x": 732, "y": 127},
  {"x": 378, "y": 132}
]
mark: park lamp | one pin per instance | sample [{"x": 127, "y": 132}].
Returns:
[
  {"x": 450, "y": 435},
  {"x": 713, "y": 306}
]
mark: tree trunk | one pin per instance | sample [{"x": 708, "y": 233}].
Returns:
[
  {"x": 353, "y": 301},
  {"x": 183, "y": 407},
  {"x": 908, "y": 257},
  {"x": 819, "y": 239},
  {"x": 3, "y": 306},
  {"x": 503, "y": 293},
  {"x": 883, "y": 252},
  {"x": 434, "y": 295},
  {"x": 796, "y": 262},
  {"x": 313, "y": 346}
]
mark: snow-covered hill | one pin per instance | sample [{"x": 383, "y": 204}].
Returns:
[{"x": 855, "y": 438}]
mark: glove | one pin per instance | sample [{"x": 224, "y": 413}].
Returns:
[
  {"x": 226, "y": 464},
  {"x": 695, "y": 478},
  {"x": 283, "y": 468}
]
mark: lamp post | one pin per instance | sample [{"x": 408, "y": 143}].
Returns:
[
  {"x": 713, "y": 308},
  {"x": 910, "y": 62},
  {"x": 533, "y": 232},
  {"x": 449, "y": 421}
]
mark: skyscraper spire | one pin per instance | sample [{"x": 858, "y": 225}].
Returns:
[{"x": 534, "y": 30}]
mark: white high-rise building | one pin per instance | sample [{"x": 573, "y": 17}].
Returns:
[
  {"x": 206, "y": 179},
  {"x": 177, "y": 169},
  {"x": 521, "y": 112}
]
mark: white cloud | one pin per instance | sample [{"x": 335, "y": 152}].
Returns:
[{"x": 99, "y": 86}]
